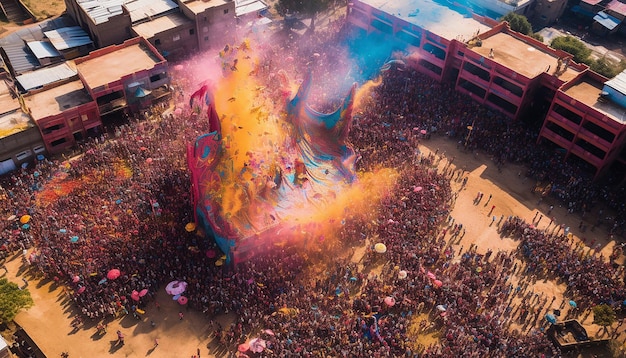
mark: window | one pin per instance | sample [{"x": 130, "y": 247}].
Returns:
[
  {"x": 176, "y": 38},
  {"x": 157, "y": 77},
  {"x": 23, "y": 155},
  {"x": 205, "y": 19},
  {"x": 382, "y": 26},
  {"x": 206, "y": 38},
  {"x": 157, "y": 42},
  {"x": 225, "y": 11},
  {"x": 84, "y": 117},
  {"x": 192, "y": 31},
  {"x": 58, "y": 142},
  {"x": 52, "y": 128}
]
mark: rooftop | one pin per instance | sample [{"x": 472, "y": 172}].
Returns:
[
  {"x": 42, "y": 49},
  {"x": 170, "y": 21},
  {"x": 44, "y": 76},
  {"x": 100, "y": 70},
  {"x": 145, "y": 9},
  {"x": 68, "y": 37},
  {"x": 8, "y": 102},
  {"x": 244, "y": 7},
  {"x": 438, "y": 17},
  {"x": 199, "y": 6},
  {"x": 57, "y": 99},
  {"x": 588, "y": 91},
  {"x": 522, "y": 57},
  {"x": 101, "y": 10}
]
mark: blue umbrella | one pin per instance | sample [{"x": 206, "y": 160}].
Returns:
[
  {"x": 24, "y": 165},
  {"x": 103, "y": 281},
  {"x": 550, "y": 318},
  {"x": 62, "y": 231},
  {"x": 40, "y": 157},
  {"x": 74, "y": 239},
  {"x": 26, "y": 226},
  {"x": 573, "y": 304}
]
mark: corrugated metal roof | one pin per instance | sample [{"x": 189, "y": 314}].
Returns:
[
  {"x": 44, "y": 76},
  {"x": 244, "y": 7},
  {"x": 21, "y": 58},
  {"x": 170, "y": 21},
  {"x": 606, "y": 20},
  {"x": 144, "y": 9},
  {"x": 617, "y": 7},
  {"x": 68, "y": 37},
  {"x": 101, "y": 10},
  {"x": 43, "y": 49},
  {"x": 618, "y": 83}
]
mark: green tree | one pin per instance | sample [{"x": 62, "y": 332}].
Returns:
[
  {"x": 308, "y": 8},
  {"x": 537, "y": 36},
  {"x": 518, "y": 23},
  {"x": 607, "y": 68},
  {"x": 603, "y": 315},
  {"x": 573, "y": 46},
  {"x": 12, "y": 300}
]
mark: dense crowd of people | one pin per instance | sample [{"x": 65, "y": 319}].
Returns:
[{"x": 124, "y": 203}]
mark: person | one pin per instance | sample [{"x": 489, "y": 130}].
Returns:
[{"x": 180, "y": 315}]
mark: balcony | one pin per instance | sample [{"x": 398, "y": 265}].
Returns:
[
  {"x": 562, "y": 121},
  {"x": 555, "y": 138},
  {"x": 112, "y": 106},
  {"x": 592, "y": 138},
  {"x": 586, "y": 156}
]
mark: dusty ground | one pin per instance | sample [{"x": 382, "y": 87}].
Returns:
[
  {"x": 48, "y": 322},
  {"x": 44, "y": 9}
]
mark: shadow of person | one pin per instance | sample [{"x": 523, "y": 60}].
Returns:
[
  {"x": 150, "y": 351},
  {"x": 115, "y": 346}
]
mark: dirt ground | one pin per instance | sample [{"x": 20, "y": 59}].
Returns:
[{"x": 48, "y": 322}]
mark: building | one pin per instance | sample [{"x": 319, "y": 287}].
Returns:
[
  {"x": 508, "y": 72},
  {"x": 546, "y": 12},
  {"x": 20, "y": 140},
  {"x": 174, "y": 35},
  {"x": 587, "y": 123},
  {"x": 64, "y": 113},
  {"x": 124, "y": 78},
  {"x": 215, "y": 21}
]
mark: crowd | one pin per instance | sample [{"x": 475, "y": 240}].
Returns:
[{"x": 124, "y": 202}]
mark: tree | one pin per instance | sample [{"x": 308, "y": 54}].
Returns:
[
  {"x": 518, "y": 23},
  {"x": 607, "y": 68},
  {"x": 305, "y": 7},
  {"x": 537, "y": 36},
  {"x": 603, "y": 315},
  {"x": 12, "y": 300},
  {"x": 573, "y": 46}
]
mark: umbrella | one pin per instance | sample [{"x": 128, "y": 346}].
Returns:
[
  {"x": 113, "y": 274},
  {"x": 11, "y": 218},
  {"x": 551, "y": 318},
  {"x": 81, "y": 290},
  {"x": 441, "y": 308},
  {"x": 74, "y": 239},
  {"x": 135, "y": 296},
  {"x": 176, "y": 287},
  {"x": 573, "y": 304},
  {"x": 26, "y": 226},
  {"x": 257, "y": 345},
  {"x": 431, "y": 275},
  {"x": 40, "y": 157},
  {"x": 190, "y": 227},
  {"x": 402, "y": 274},
  {"x": 182, "y": 300},
  {"x": 143, "y": 292},
  {"x": 423, "y": 131},
  {"x": 75, "y": 279},
  {"x": 437, "y": 283},
  {"x": 390, "y": 301},
  {"x": 380, "y": 248},
  {"x": 62, "y": 231},
  {"x": 176, "y": 297},
  {"x": 243, "y": 347},
  {"x": 103, "y": 281},
  {"x": 417, "y": 189}
]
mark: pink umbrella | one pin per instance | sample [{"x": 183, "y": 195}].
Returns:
[
  {"x": 390, "y": 301},
  {"x": 176, "y": 287},
  {"x": 423, "y": 131},
  {"x": 75, "y": 279},
  {"x": 182, "y": 300},
  {"x": 113, "y": 274},
  {"x": 81, "y": 290},
  {"x": 417, "y": 189},
  {"x": 437, "y": 283},
  {"x": 431, "y": 275},
  {"x": 135, "y": 296},
  {"x": 257, "y": 345},
  {"x": 143, "y": 292},
  {"x": 149, "y": 161}
]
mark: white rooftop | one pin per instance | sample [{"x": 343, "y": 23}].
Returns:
[
  {"x": 145, "y": 9},
  {"x": 244, "y": 7},
  {"x": 432, "y": 16},
  {"x": 101, "y": 10},
  {"x": 148, "y": 29}
]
